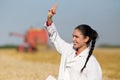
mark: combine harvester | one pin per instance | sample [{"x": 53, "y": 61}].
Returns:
[{"x": 32, "y": 39}]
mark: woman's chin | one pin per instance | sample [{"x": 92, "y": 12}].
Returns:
[{"x": 75, "y": 47}]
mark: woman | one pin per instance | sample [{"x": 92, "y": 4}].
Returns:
[{"x": 77, "y": 61}]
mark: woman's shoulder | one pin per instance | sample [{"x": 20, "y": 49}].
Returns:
[
  {"x": 93, "y": 61},
  {"x": 92, "y": 58}
]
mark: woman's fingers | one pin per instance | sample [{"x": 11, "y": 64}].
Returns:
[
  {"x": 52, "y": 11},
  {"x": 54, "y": 7}
]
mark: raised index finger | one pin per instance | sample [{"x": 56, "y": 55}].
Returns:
[{"x": 54, "y": 7}]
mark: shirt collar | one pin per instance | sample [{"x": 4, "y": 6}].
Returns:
[{"x": 84, "y": 52}]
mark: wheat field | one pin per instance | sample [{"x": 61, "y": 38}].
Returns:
[{"x": 37, "y": 66}]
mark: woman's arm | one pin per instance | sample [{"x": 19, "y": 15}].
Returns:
[{"x": 60, "y": 44}]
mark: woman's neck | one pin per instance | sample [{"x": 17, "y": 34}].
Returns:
[{"x": 79, "y": 50}]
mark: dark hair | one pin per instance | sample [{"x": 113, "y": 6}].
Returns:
[{"x": 86, "y": 30}]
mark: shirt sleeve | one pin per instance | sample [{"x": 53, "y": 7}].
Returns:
[{"x": 59, "y": 43}]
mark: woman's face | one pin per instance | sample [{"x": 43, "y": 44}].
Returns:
[{"x": 78, "y": 39}]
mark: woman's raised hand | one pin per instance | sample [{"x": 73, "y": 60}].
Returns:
[{"x": 52, "y": 12}]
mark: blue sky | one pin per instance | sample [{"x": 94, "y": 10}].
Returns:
[{"x": 20, "y": 15}]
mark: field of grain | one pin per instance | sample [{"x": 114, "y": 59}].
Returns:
[{"x": 37, "y": 66}]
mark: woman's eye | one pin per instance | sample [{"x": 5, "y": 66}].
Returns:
[{"x": 77, "y": 37}]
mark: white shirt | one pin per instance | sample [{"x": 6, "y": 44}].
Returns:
[{"x": 71, "y": 65}]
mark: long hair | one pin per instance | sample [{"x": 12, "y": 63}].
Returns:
[{"x": 86, "y": 30}]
